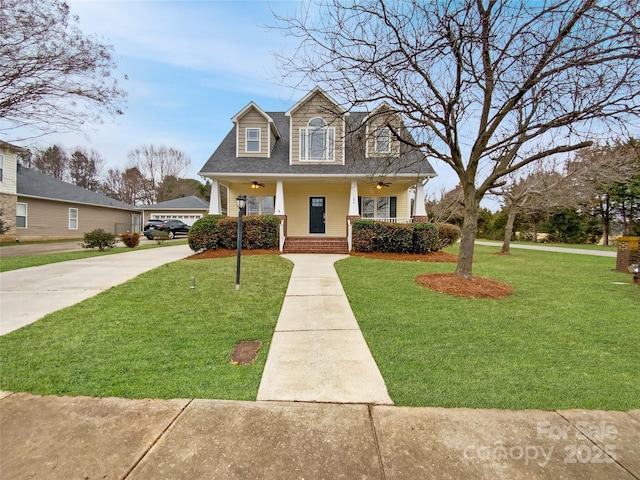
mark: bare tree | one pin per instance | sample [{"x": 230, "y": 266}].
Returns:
[
  {"x": 84, "y": 168},
  {"x": 447, "y": 208},
  {"x": 157, "y": 163},
  {"x": 127, "y": 186},
  {"x": 53, "y": 162},
  {"x": 485, "y": 86},
  {"x": 52, "y": 76},
  {"x": 606, "y": 179},
  {"x": 534, "y": 195}
]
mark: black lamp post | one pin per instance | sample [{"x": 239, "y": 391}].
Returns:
[{"x": 241, "y": 201}]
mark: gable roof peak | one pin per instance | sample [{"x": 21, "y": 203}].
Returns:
[
  {"x": 316, "y": 90},
  {"x": 254, "y": 106}
]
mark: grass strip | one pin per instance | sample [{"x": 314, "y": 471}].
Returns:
[
  {"x": 567, "y": 338},
  {"x": 154, "y": 336}
]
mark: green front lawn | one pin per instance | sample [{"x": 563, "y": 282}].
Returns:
[
  {"x": 568, "y": 338},
  {"x": 154, "y": 336}
]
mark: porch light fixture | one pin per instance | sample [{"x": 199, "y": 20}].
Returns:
[
  {"x": 256, "y": 185},
  {"x": 381, "y": 184},
  {"x": 241, "y": 201}
]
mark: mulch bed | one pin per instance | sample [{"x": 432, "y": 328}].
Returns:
[
  {"x": 447, "y": 283},
  {"x": 477, "y": 287}
]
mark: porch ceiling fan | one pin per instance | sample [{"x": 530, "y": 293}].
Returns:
[
  {"x": 255, "y": 184},
  {"x": 380, "y": 185}
]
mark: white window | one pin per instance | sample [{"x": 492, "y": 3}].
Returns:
[
  {"x": 317, "y": 141},
  {"x": 1, "y": 168},
  {"x": 375, "y": 207},
  {"x": 21, "y": 215},
  {"x": 73, "y": 219},
  {"x": 382, "y": 143},
  {"x": 253, "y": 139},
  {"x": 261, "y": 205}
]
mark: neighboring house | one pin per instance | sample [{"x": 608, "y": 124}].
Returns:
[
  {"x": 44, "y": 208},
  {"x": 8, "y": 188},
  {"x": 188, "y": 209},
  {"x": 318, "y": 167}
]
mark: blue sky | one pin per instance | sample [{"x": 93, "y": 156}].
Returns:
[{"x": 191, "y": 66}]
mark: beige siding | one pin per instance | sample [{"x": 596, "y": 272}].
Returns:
[
  {"x": 380, "y": 118},
  {"x": 253, "y": 119},
  {"x": 9, "y": 171},
  {"x": 317, "y": 106},
  {"x": 50, "y": 220},
  {"x": 296, "y": 206}
]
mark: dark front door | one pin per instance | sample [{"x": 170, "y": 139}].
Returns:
[{"x": 316, "y": 214}]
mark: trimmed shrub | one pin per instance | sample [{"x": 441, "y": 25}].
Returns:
[
  {"x": 363, "y": 236},
  {"x": 425, "y": 237},
  {"x": 258, "y": 231},
  {"x": 372, "y": 236},
  {"x": 160, "y": 236},
  {"x": 447, "y": 235},
  {"x": 203, "y": 234},
  {"x": 130, "y": 239},
  {"x": 100, "y": 239},
  {"x": 393, "y": 237}
]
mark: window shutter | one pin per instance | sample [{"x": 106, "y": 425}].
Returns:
[
  {"x": 359, "y": 205},
  {"x": 392, "y": 206}
]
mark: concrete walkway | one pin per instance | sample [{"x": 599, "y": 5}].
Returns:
[
  {"x": 318, "y": 353},
  {"x": 61, "y": 438},
  {"x": 549, "y": 248},
  {"x": 28, "y": 294}
]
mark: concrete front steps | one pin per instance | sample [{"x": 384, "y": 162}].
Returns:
[{"x": 316, "y": 245}]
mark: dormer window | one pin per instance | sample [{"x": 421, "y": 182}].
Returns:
[
  {"x": 252, "y": 139},
  {"x": 317, "y": 141},
  {"x": 382, "y": 141}
]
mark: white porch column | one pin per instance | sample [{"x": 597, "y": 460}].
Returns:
[
  {"x": 279, "y": 207},
  {"x": 214, "y": 203},
  {"x": 418, "y": 205},
  {"x": 354, "y": 211}
]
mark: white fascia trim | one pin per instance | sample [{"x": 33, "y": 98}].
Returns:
[
  {"x": 255, "y": 106},
  {"x": 304, "y": 99}
]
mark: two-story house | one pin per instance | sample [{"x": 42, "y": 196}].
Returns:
[{"x": 318, "y": 167}]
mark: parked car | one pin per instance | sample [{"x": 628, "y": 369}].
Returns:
[{"x": 172, "y": 227}]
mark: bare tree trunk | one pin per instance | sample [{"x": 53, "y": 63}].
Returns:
[
  {"x": 535, "y": 232},
  {"x": 508, "y": 231},
  {"x": 469, "y": 231}
]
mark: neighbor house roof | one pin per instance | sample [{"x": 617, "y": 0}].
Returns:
[
  {"x": 224, "y": 160},
  {"x": 7, "y": 146},
  {"x": 185, "y": 203},
  {"x": 31, "y": 183}
]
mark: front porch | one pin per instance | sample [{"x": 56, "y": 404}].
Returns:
[{"x": 315, "y": 214}]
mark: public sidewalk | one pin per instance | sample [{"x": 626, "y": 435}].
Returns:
[
  {"x": 318, "y": 353},
  {"x": 549, "y": 248},
  {"x": 61, "y": 438},
  {"x": 28, "y": 294}
]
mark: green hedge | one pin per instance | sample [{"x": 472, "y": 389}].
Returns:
[
  {"x": 447, "y": 235},
  {"x": 371, "y": 236},
  {"x": 203, "y": 234},
  {"x": 219, "y": 231}
]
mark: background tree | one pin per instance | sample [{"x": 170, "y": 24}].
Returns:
[
  {"x": 52, "y": 76},
  {"x": 532, "y": 196},
  {"x": 155, "y": 164},
  {"x": 447, "y": 207},
  {"x": 127, "y": 186},
  {"x": 53, "y": 162},
  {"x": 84, "y": 168},
  {"x": 485, "y": 86},
  {"x": 606, "y": 181}
]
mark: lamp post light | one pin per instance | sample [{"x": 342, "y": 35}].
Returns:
[{"x": 241, "y": 201}]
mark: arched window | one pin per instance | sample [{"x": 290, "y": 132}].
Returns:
[{"x": 317, "y": 141}]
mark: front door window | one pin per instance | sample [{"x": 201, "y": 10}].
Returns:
[{"x": 317, "y": 215}]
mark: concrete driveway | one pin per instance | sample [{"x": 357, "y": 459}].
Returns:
[{"x": 29, "y": 294}]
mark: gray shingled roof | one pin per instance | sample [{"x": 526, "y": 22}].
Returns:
[
  {"x": 32, "y": 183},
  {"x": 224, "y": 160},
  {"x": 185, "y": 203}
]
